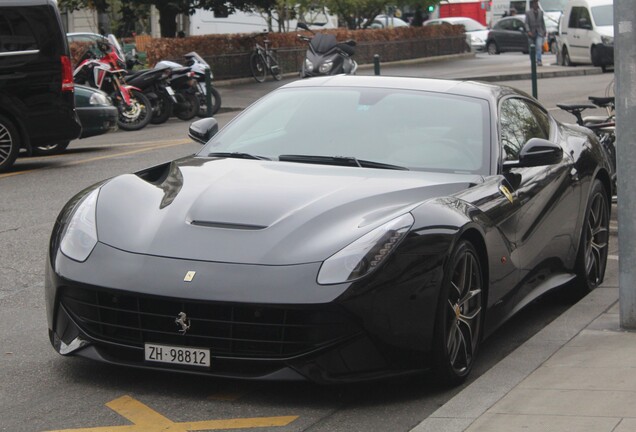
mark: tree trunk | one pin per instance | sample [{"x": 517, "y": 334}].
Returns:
[{"x": 168, "y": 22}]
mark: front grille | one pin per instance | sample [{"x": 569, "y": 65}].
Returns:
[{"x": 227, "y": 329}]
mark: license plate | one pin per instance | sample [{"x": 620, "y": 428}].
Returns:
[
  {"x": 170, "y": 90},
  {"x": 177, "y": 355}
]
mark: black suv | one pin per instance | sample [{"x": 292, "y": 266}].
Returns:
[{"x": 36, "y": 79}]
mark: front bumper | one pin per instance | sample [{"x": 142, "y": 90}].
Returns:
[
  {"x": 97, "y": 120},
  {"x": 259, "y": 322}
]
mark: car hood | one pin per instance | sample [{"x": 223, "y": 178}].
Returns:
[
  {"x": 481, "y": 34},
  {"x": 257, "y": 212},
  {"x": 605, "y": 30}
]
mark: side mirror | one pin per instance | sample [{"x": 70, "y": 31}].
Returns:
[
  {"x": 537, "y": 152},
  {"x": 303, "y": 26},
  {"x": 203, "y": 130}
]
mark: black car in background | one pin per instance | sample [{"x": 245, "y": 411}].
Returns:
[
  {"x": 509, "y": 34},
  {"x": 37, "y": 105}
]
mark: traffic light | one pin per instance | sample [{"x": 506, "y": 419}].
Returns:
[{"x": 431, "y": 8}]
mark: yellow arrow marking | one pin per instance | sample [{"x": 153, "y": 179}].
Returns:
[{"x": 146, "y": 419}]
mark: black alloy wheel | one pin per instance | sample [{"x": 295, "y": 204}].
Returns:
[
  {"x": 9, "y": 143},
  {"x": 594, "y": 246},
  {"x": 459, "y": 315},
  {"x": 188, "y": 106},
  {"x": 215, "y": 96}
]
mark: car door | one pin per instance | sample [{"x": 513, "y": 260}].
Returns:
[
  {"x": 548, "y": 204},
  {"x": 519, "y": 38},
  {"x": 579, "y": 34},
  {"x": 504, "y": 35}
]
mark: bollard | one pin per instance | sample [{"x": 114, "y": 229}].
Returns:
[
  {"x": 208, "y": 92},
  {"x": 376, "y": 64},
  {"x": 533, "y": 66}
]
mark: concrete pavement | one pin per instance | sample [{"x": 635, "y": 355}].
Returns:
[{"x": 577, "y": 374}]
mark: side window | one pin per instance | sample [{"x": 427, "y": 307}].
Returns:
[
  {"x": 519, "y": 122},
  {"x": 503, "y": 25},
  {"x": 575, "y": 14},
  {"x": 15, "y": 32}
]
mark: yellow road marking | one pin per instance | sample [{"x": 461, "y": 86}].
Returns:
[
  {"x": 166, "y": 144},
  {"x": 145, "y": 419}
]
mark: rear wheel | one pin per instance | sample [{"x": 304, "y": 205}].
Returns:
[
  {"x": 9, "y": 143},
  {"x": 216, "y": 103},
  {"x": 162, "y": 109},
  {"x": 136, "y": 115},
  {"x": 51, "y": 149},
  {"x": 492, "y": 48},
  {"x": 274, "y": 68},
  {"x": 258, "y": 67},
  {"x": 459, "y": 315},
  {"x": 591, "y": 260},
  {"x": 188, "y": 107}
]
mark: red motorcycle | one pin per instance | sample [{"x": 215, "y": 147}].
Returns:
[{"x": 103, "y": 67}]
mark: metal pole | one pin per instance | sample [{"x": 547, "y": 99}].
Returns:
[
  {"x": 208, "y": 92},
  {"x": 376, "y": 64},
  {"x": 533, "y": 68},
  {"x": 625, "y": 76}
]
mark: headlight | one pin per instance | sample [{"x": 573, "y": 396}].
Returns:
[
  {"x": 99, "y": 99},
  {"x": 476, "y": 39},
  {"x": 326, "y": 67},
  {"x": 365, "y": 254},
  {"x": 80, "y": 236},
  {"x": 309, "y": 66},
  {"x": 607, "y": 40}
]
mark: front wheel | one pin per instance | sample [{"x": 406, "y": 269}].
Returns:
[
  {"x": 162, "y": 109},
  {"x": 458, "y": 320},
  {"x": 258, "y": 67},
  {"x": 9, "y": 143},
  {"x": 566, "y": 57},
  {"x": 136, "y": 115},
  {"x": 274, "y": 68}
]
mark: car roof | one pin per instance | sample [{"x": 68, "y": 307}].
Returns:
[{"x": 467, "y": 88}]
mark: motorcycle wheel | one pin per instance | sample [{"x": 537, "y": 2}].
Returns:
[
  {"x": 188, "y": 108},
  {"x": 162, "y": 110},
  {"x": 137, "y": 115},
  {"x": 216, "y": 103}
]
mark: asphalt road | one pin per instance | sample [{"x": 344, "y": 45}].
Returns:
[{"x": 42, "y": 391}]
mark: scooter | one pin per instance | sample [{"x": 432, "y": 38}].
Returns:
[
  {"x": 107, "y": 73},
  {"x": 197, "y": 67},
  {"x": 326, "y": 56}
]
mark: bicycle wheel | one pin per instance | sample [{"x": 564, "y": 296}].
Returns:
[
  {"x": 274, "y": 68},
  {"x": 258, "y": 66}
]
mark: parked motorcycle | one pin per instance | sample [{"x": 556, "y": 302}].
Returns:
[
  {"x": 197, "y": 66},
  {"x": 326, "y": 56},
  {"x": 106, "y": 71},
  {"x": 155, "y": 85}
]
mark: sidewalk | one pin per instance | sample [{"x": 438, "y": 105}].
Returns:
[{"x": 577, "y": 374}]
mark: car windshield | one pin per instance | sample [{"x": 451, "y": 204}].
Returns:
[
  {"x": 603, "y": 15},
  {"x": 364, "y": 127},
  {"x": 553, "y": 5},
  {"x": 471, "y": 25}
]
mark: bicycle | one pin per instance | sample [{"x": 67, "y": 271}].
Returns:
[{"x": 263, "y": 60}]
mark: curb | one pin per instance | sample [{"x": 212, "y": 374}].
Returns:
[{"x": 573, "y": 71}]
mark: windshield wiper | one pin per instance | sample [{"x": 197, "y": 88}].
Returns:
[
  {"x": 237, "y": 155},
  {"x": 338, "y": 160}
]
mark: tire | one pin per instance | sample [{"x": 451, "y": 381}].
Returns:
[
  {"x": 566, "y": 57},
  {"x": 591, "y": 259},
  {"x": 216, "y": 103},
  {"x": 458, "y": 321},
  {"x": 188, "y": 108},
  {"x": 138, "y": 115},
  {"x": 9, "y": 143},
  {"x": 51, "y": 149},
  {"x": 258, "y": 67},
  {"x": 275, "y": 68},
  {"x": 492, "y": 48},
  {"x": 162, "y": 109}
]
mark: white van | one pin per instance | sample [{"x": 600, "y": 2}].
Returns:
[{"x": 586, "y": 33}]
